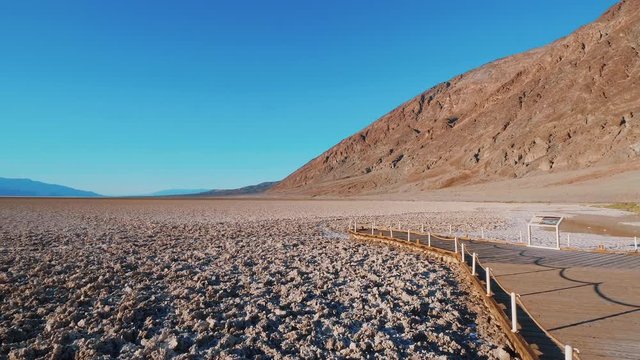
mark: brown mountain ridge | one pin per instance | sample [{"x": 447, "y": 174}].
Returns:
[{"x": 573, "y": 104}]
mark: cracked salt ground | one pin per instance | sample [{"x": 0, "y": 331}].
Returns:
[{"x": 165, "y": 286}]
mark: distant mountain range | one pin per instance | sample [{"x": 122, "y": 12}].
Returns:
[
  {"x": 247, "y": 190},
  {"x": 28, "y": 187},
  {"x": 173, "y": 192}
]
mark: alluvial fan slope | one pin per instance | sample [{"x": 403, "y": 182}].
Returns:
[
  {"x": 573, "y": 104},
  {"x": 154, "y": 279}
]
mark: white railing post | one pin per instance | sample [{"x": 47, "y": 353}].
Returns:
[
  {"x": 568, "y": 240},
  {"x": 390, "y": 232},
  {"x": 473, "y": 264},
  {"x": 350, "y": 221},
  {"x": 482, "y": 233},
  {"x": 450, "y": 229},
  {"x": 568, "y": 352},
  {"x": 635, "y": 242},
  {"x": 514, "y": 319},
  {"x": 422, "y": 228},
  {"x": 429, "y": 239},
  {"x": 487, "y": 271},
  {"x": 462, "y": 252},
  {"x": 521, "y": 236},
  {"x": 455, "y": 242},
  {"x": 408, "y": 235}
]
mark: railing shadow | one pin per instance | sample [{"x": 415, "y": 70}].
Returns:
[{"x": 562, "y": 273}]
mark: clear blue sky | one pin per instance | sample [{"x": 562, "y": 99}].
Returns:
[{"x": 126, "y": 97}]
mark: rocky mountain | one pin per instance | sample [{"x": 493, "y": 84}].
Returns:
[
  {"x": 573, "y": 104},
  {"x": 27, "y": 187}
]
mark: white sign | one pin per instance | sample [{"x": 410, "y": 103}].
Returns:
[{"x": 545, "y": 221}]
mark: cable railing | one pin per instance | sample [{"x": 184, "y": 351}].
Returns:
[{"x": 459, "y": 251}]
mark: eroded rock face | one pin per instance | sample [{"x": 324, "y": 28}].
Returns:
[
  {"x": 570, "y": 105},
  {"x": 189, "y": 280}
]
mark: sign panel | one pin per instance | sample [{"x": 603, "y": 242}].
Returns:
[{"x": 546, "y": 220}]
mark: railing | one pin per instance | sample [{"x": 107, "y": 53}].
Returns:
[
  {"x": 459, "y": 253},
  {"x": 611, "y": 244}
]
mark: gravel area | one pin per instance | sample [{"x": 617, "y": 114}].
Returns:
[{"x": 225, "y": 279}]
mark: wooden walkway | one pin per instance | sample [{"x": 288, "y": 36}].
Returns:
[{"x": 588, "y": 300}]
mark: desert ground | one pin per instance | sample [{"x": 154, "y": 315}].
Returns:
[
  {"x": 212, "y": 278},
  {"x": 598, "y": 184}
]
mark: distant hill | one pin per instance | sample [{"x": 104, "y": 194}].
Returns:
[
  {"x": 28, "y": 187},
  {"x": 247, "y": 190},
  {"x": 171, "y": 192}
]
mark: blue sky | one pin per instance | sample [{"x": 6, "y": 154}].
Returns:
[{"x": 127, "y": 97}]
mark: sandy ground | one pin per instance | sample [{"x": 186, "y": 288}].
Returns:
[
  {"x": 225, "y": 279},
  {"x": 592, "y": 185}
]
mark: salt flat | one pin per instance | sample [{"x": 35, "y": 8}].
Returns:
[
  {"x": 230, "y": 279},
  {"x": 133, "y": 278}
]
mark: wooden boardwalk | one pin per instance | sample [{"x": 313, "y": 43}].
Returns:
[{"x": 588, "y": 300}]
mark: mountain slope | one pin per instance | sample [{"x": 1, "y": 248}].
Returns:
[
  {"x": 27, "y": 187},
  {"x": 573, "y": 104}
]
